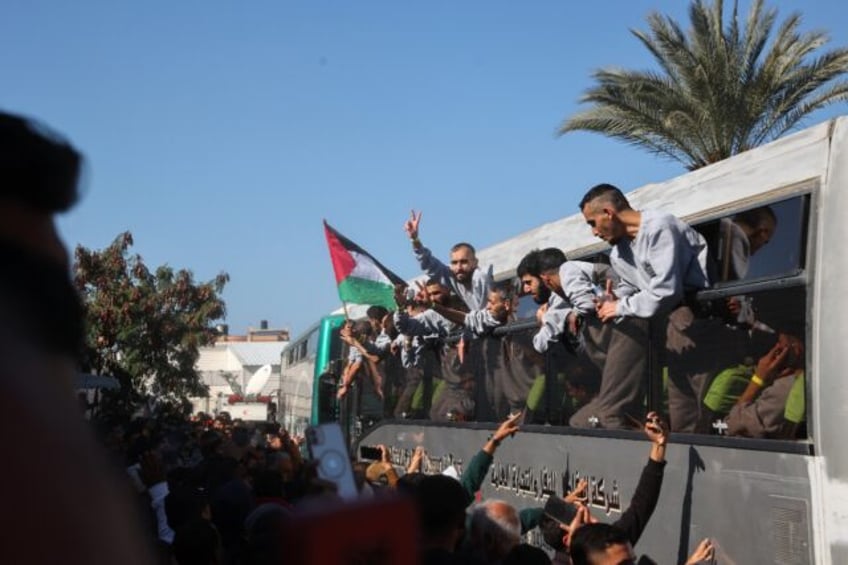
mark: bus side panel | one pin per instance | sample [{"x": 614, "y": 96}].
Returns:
[
  {"x": 329, "y": 347},
  {"x": 829, "y": 386},
  {"x": 754, "y": 505}
]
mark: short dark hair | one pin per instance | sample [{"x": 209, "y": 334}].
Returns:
[
  {"x": 529, "y": 264},
  {"x": 609, "y": 193},
  {"x": 465, "y": 245},
  {"x": 756, "y": 217},
  {"x": 362, "y": 327},
  {"x": 37, "y": 167},
  {"x": 506, "y": 290},
  {"x": 408, "y": 484},
  {"x": 594, "y": 538},
  {"x": 550, "y": 259},
  {"x": 377, "y": 312},
  {"x": 441, "y": 503},
  {"x": 524, "y": 554}
]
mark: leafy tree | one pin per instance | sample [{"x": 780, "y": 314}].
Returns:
[
  {"x": 145, "y": 327},
  {"x": 722, "y": 90}
]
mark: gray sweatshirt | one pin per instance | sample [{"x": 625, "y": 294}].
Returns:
[
  {"x": 579, "y": 280},
  {"x": 553, "y": 322},
  {"x": 480, "y": 322},
  {"x": 666, "y": 259},
  {"x": 474, "y": 297},
  {"x": 427, "y": 324}
]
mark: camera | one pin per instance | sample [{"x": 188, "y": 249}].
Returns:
[{"x": 367, "y": 452}]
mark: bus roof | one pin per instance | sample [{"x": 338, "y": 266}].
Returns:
[{"x": 764, "y": 173}]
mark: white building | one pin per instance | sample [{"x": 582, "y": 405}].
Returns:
[{"x": 229, "y": 364}]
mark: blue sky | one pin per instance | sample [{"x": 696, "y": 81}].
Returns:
[{"x": 221, "y": 133}]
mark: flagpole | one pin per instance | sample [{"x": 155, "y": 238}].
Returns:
[{"x": 347, "y": 316}]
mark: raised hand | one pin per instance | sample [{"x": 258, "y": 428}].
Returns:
[
  {"x": 400, "y": 295},
  {"x": 579, "y": 492},
  {"x": 416, "y": 460},
  {"x": 508, "y": 427},
  {"x": 411, "y": 225},
  {"x": 656, "y": 429},
  {"x": 423, "y": 296},
  {"x": 581, "y": 518},
  {"x": 704, "y": 552},
  {"x": 769, "y": 366}
]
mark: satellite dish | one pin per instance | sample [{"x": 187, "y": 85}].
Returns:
[{"x": 258, "y": 380}]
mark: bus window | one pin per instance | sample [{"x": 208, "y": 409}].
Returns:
[
  {"x": 756, "y": 243},
  {"x": 775, "y": 407},
  {"x": 756, "y": 309}
]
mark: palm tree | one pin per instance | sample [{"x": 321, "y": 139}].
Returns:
[{"x": 721, "y": 91}]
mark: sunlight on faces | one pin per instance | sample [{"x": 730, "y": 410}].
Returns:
[
  {"x": 498, "y": 306},
  {"x": 535, "y": 287},
  {"x": 602, "y": 218},
  {"x": 462, "y": 264},
  {"x": 437, "y": 293}
]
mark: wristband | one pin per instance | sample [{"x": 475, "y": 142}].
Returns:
[{"x": 757, "y": 381}]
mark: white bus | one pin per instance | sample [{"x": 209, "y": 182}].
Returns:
[{"x": 778, "y": 498}]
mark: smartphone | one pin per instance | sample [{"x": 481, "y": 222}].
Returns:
[
  {"x": 560, "y": 510},
  {"x": 327, "y": 447},
  {"x": 367, "y": 452}
]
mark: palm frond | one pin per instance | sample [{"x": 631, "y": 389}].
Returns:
[{"x": 721, "y": 88}]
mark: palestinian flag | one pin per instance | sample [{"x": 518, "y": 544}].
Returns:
[{"x": 361, "y": 278}]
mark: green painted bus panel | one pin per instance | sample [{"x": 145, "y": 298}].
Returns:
[{"x": 322, "y": 357}]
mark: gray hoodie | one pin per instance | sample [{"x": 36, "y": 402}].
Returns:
[
  {"x": 481, "y": 282},
  {"x": 666, "y": 259}
]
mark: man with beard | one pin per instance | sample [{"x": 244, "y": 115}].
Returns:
[
  {"x": 617, "y": 350},
  {"x": 553, "y": 311},
  {"x": 464, "y": 277},
  {"x": 452, "y": 389},
  {"x": 510, "y": 363},
  {"x": 552, "y": 315}
]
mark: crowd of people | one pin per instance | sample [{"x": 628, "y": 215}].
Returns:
[
  {"x": 608, "y": 329},
  {"x": 215, "y": 491}
]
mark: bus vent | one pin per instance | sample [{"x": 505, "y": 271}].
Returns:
[{"x": 790, "y": 532}]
